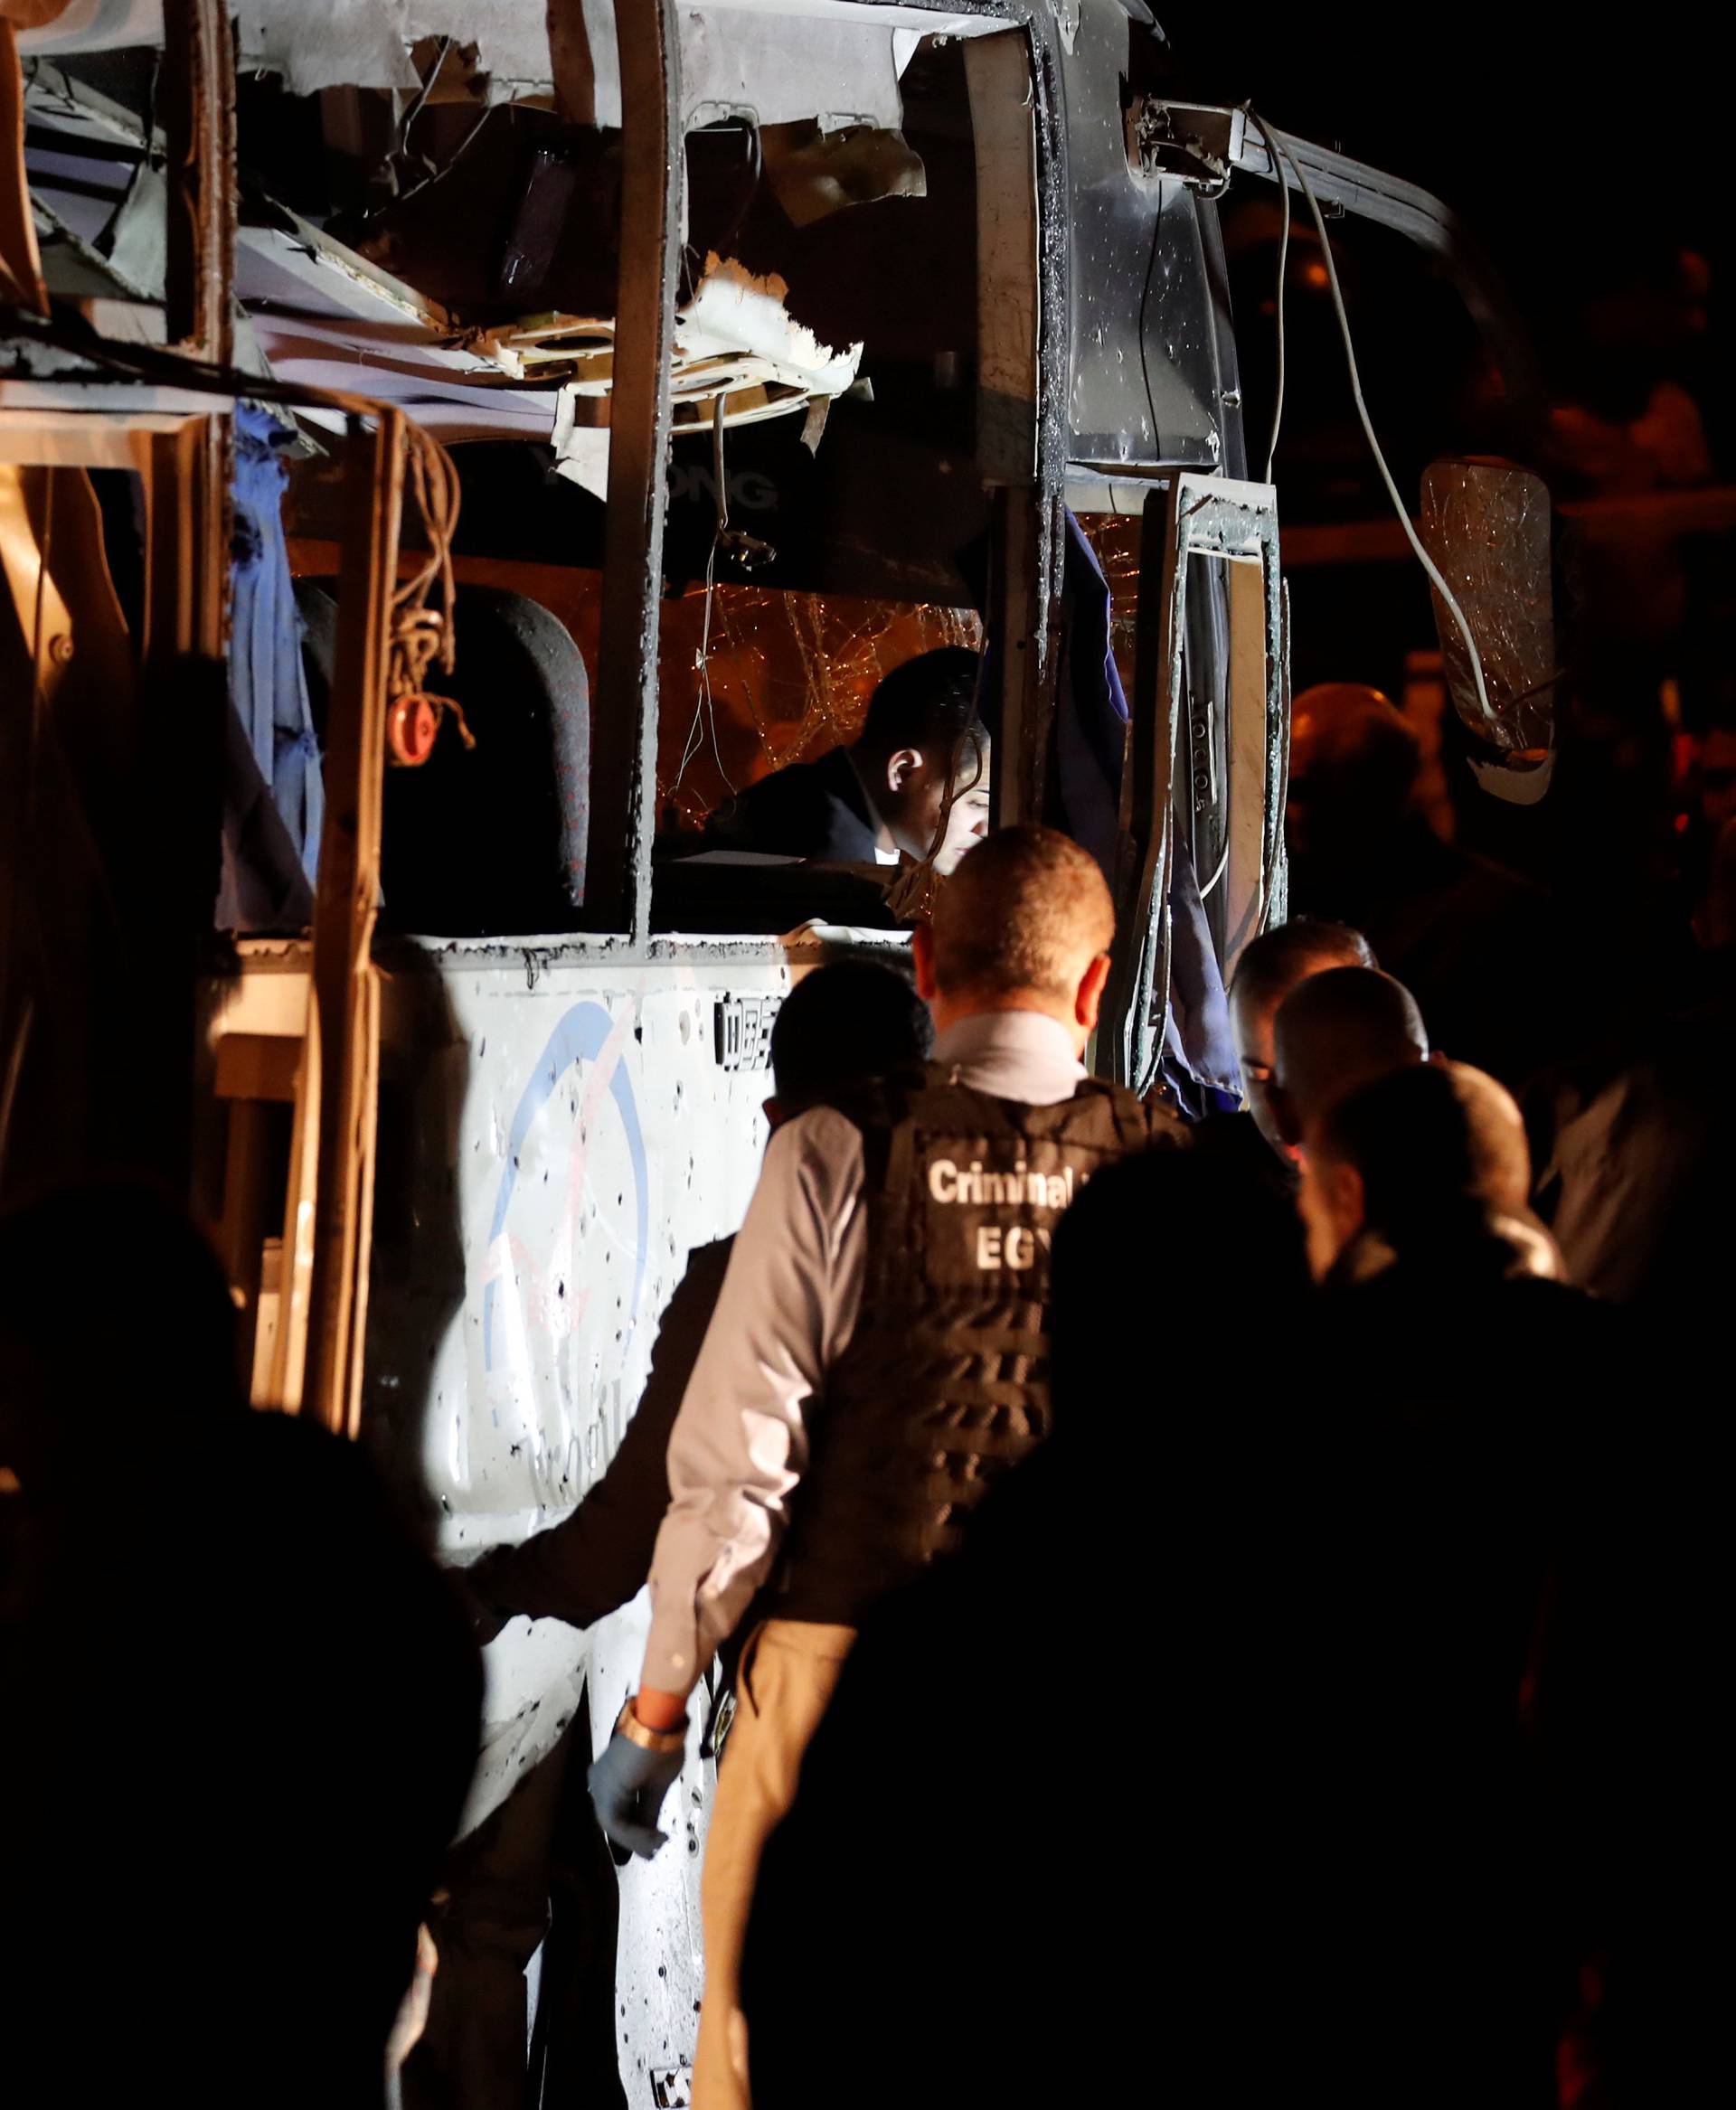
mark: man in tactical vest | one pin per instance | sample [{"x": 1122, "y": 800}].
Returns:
[{"x": 877, "y": 1357}]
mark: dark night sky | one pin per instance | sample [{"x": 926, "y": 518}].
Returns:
[
  {"x": 1582, "y": 152},
  {"x": 1535, "y": 122}
]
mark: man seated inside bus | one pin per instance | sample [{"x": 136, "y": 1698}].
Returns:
[{"x": 885, "y": 798}]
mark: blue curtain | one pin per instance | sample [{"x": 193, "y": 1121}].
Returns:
[{"x": 274, "y": 798}]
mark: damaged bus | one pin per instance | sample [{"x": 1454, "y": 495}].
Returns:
[{"x": 445, "y": 453}]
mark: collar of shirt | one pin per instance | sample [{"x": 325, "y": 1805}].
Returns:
[
  {"x": 1023, "y": 1055},
  {"x": 883, "y": 854}
]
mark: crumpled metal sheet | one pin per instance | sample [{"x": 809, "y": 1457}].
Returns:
[
  {"x": 841, "y": 68},
  {"x": 1487, "y": 525},
  {"x": 734, "y": 338},
  {"x": 781, "y": 66},
  {"x": 361, "y": 43}
]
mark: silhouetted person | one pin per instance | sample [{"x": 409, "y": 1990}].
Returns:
[
  {"x": 1482, "y": 948},
  {"x": 843, "y": 1023},
  {"x": 1635, "y": 1142},
  {"x": 1466, "y": 1406},
  {"x": 1044, "y": 1795},
  {"x": 1417, "y": 1179},
  {"x": 885, "y": 796},
  {"x": 1338, "y": 1031},
  {"x": 241, "y": 1704},
  {"x": 1495, "y": 1131},
  {"x": 1271, "y": 969}
]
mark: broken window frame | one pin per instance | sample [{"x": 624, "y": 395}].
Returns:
[
  {"x": 1021, "y": 153},
  {"x": 624, "y": 725},
  {"x": 1235, "y": 523}
]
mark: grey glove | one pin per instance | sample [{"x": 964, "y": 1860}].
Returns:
[{"x": 628, "y": 1784}]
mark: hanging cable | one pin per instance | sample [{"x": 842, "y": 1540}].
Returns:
[
  {"x": 1270, "y": 138},
  {"x": 705, "y": 704},
  {"x": 452, "y": 160},
  {"x": 419, "y": 102},
  {"x": 1399, "y": 506},
  {"x": 421, "y": 636}
]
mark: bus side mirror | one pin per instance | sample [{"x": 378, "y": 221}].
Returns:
[{"x": 1487, "y": 525}]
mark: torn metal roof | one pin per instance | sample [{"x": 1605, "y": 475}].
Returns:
[{"x": 831, "y": 60}]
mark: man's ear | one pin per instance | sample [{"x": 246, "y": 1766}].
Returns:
[
  {"x": 1088, "y": 999},
  {"x": 901, "y": 764},
  {"x": 1349, "y": 1200},
  {"x": 922, "y": 957}
]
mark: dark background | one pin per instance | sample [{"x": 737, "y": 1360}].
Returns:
[{"x": 1586, "y": 152}]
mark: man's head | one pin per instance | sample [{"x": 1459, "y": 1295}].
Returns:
[
  {"x": 1339, "y": 1031},
  {"x": 845, "y": 1022},
  {"x": 1270, "y": 969},
  {"x": 1355, "y": 761},
  {"x": 1024, "y": 924},
  {"x": 1228, "y": 1207},
  {"x": 1412, "y": 1155},
  {"x": 1495, "y": 1130},
  {"x": 924, "y": 755}
]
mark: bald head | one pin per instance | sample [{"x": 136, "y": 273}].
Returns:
[
  {"x": 1416, "y": 1156},
  {"x": 1024, "y": 924},
  {"x": 1494, "y": 1131},
  {"x": 1339, "y": 1031},
  {"x": 1273, "y": 967}
]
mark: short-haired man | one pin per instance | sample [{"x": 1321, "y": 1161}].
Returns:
[
  {"x": 913, "y": 784},
  {"x": 1446, "y": 1603},
  {"x": 1270, "y": 969},
  {"x": 877, "y": 1360},
  {"x": 1340, "y": 1031},
  {"x": 1424, "y": 1171}
]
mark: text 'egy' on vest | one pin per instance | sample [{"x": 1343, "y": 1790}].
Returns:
[{"x": 945, "y": 1382}]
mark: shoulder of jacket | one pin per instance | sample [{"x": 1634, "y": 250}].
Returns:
[
  {"x": 1152, "y": 1119},
  {"x": 877, "y": 1102}
]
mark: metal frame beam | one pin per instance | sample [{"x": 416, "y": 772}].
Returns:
[
  {"x": 196, "y": 105},
  {"x": 343, "y": 1045},
  {"x": 1423, "y": 218},
  {"x": 1216, "y": 517},
  {"x": 624, "y": 724}
]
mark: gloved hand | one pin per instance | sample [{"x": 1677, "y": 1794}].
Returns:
[{"x": 628, "y": 1784}]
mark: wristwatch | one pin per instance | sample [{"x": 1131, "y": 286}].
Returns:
[{"x": 628, "y": 1725}]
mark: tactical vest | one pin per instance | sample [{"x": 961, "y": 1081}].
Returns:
[{"x": 944, "y": 1383}]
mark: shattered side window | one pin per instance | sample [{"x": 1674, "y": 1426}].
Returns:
[
  {"x": 813, "y": 549},
  {"x": 767, "y": 816},
  {"x": 443, "y": 230}
]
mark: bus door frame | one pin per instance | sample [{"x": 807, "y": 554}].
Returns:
[{"x": 1235, "y": 523}]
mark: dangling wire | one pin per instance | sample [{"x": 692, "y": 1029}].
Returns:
[
  {"x": 423, "y": 636},
  {"x": 1270, "y": 138},
  {"x": 1399, "y": 506},
  {"x": 419, "y": 102},
  {"x": 705, "y": 704}
]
